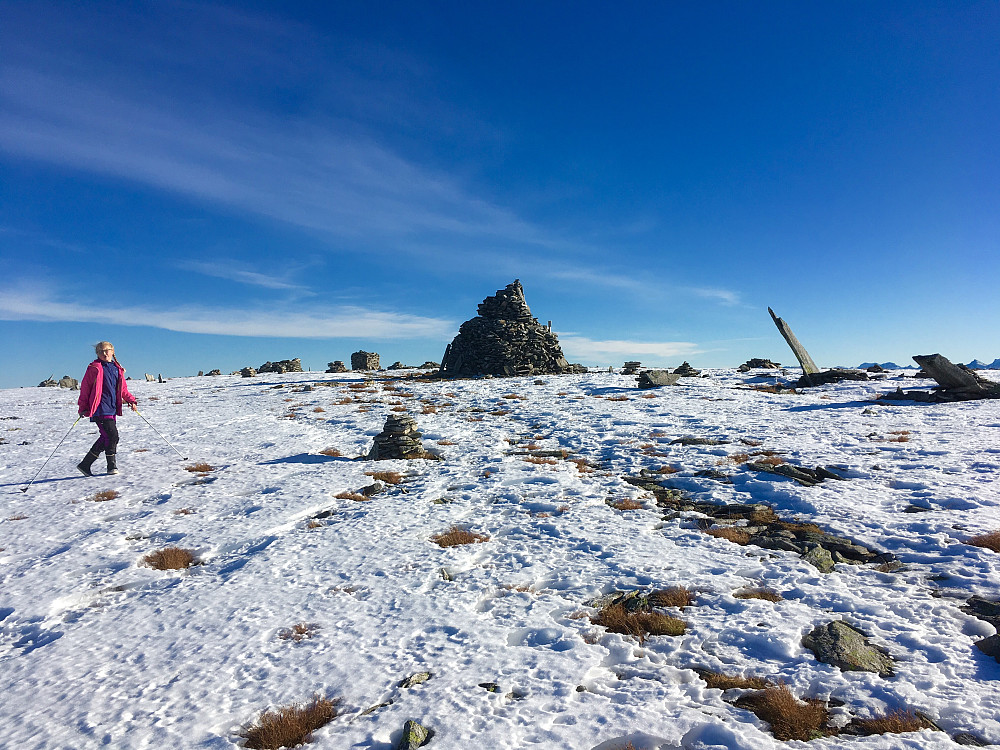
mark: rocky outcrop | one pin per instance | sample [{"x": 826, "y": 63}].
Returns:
[
  {"x": 504, "y": 340},
  {"x": 285, "y": 365},
  {"x": 656, "y": 378},
  {"x": 248, "y": 372},
  {"x": 336, "y": 366},
  {"x": 758, "y": 364},
  {"x": 954, "y": 383},
  {"x": 363, "y": 360},
  {"x": 65, "y": 382},
  {"x": 847, "y": 648}
]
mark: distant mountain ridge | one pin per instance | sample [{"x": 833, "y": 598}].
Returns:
[{"x": 973, "y": 365}]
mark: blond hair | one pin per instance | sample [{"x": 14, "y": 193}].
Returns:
[{"x": 101, "y": 345}]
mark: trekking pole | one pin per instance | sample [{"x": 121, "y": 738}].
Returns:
[
  {"x": 52, "y": 454},
  {"x": 161, "y": 436}
]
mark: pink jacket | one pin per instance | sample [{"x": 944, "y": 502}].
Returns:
[{"x": 93, "y": 384}]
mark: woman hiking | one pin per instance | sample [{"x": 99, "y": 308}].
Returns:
[{"x": 102, "y": 393}]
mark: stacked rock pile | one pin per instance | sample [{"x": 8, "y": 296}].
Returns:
[
  {"x": 285, "y": 365},
  {"x": 363, "y": 360},
  {"x": 504, "y": 340},
  {"x": 687, "y": 371},
  {"x": 336, "y": 366},
  {"x": 65, "y": 382},
  {"x": 248, "y": 372},
  {"x": 631, "y": 367},
  {"x": 399, "y": 439}
]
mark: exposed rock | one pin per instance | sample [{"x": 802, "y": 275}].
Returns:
[
  {"x": 687, "y": 371},
  {"x": 415, "y": 679},
  {"x": 399, "y": 439},
  {"x": 49, "y": 382},
  {"x": 504, "y": 340},
  {"x": 846, "y": 647},
  {"x": 285, "y": 365},
  {"x": 150, "y": 378},
  {"x": 698, "y": 441},
  {"x": 215, "y": 372},
  {"x": 428, "y": 365},
  {"x": 414, "y": 735},
  {"x": 248, "y": 372},
  {"x": 955, "y": 383},
  {"x": 656, "y": 378},
  {"x": 398, "y": 366},
  {"x": 820, "y": 558},
  {"x": 67, "y": 382},
  {"x": 830, "y": 376},
  {"x": 805, "y": 361},
  {"x": 758, "y": 364},
  {"x": 362, "y": 360},
  {"x": 335, "y": 366},
  {"x": 874, "y": 368},
  {"x": 631, "y": 367},
  {"x": 801, "y": 474},
  {"x": 969, "y": 740},
  {"x": 984, "y": 609},
  {"x": 990, "y": 646}
]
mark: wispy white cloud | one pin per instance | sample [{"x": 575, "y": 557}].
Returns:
[
  {"x": 292, "y": 322},
  {"x": 233, "y": 271},
  {"x": 589, "y": 350}
]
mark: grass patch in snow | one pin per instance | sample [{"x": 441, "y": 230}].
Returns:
[
  {"x": 289, "y": 726},
  {"x": 299, "y": 632},
  {"x": 790, "y": 718},
  {"x": 626, "y": 503},
  {"x": 730, "y": 682},
  {"x": 333, "y": 452},
  {"x": 104, "y": 496},
  {"x": 169, "y": 558},
  {"x": 617, "y": 619},
  {"x": 732, "y": 534},
  {"x": 990, "y": 540},
  {"x": 456, "y": 536},
  {"x": 674, "y": 596},
  {"x": 893, "y": 722},
  {"x": 348, "y": 495},
  {"x": 201, "y": 468},
  {"x": 389, "y": 477},
  {"x": 768, "y": 595}
]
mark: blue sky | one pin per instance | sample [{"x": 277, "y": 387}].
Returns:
[{"x": 212, "y": 185}]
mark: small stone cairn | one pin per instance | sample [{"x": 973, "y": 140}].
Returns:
[
  {"x": 399, "y": 439},
  {"x": 285, "y": 365},
  {"x": 363, "y": 360},
  {"x": 248, "y": 372},
  {"x": 336, "y": 366},
  {"x": 505, "y": 340},
  {"x": 631, "y": 367},
  {"x": 687, "y": 371}
]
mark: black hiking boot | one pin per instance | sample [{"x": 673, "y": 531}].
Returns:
[
  {"x": 112, "y": 463},
  {"x": 86, "y": 463}
]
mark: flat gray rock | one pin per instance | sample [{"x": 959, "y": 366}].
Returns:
[{"x": 846, "y": 647}]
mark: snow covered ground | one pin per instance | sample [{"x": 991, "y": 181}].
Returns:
[{"x": 98, "y": 650}]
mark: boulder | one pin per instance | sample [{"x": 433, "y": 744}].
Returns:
[
  {"x": 336, "y": 366},
  {"x": 67, "y": 382},
  {"x": 415, "y": 735},
  {"x": 657, "y": 378},
  {"x": 504, "y": 340},
  {"x": 847, "y": 648},
  {"x": 428, "y": 365},
  {"x": 397, "y": 365},
  {"x": 248, "y": 372},
  {"x": 150, "y": 378}
]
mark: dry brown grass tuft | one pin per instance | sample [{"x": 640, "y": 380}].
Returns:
[
  {"x": 141, "y": 450},
  {"x": 772, "y": 460},
  {"x": 674, "y": 596},
  {"x": 499, "y": 413},
  {"x": 514, "y": 396},
  {"x": 582, "y": 466},
  {"x": 300, "y": 632},
  {"x": 789, "y": 718},
  {"x": 730, "y": 682},
  {"x": 399, "y": 409},
  {"x": 184, "y": 512},
  {"x": 17, "y": 517},
  {"x": 768, "y": 595},
  {"x": 169, "y": 558},
  {"x": 639, "y": 624},
  {"x": 626, "y": 503},
  {"x": 751, "y": 442},
  {"x": 456, "y": 536},
  {"x": 389, "y": 477},
  {"x": 539, "y": 460},
  {"x": 894, "y": 722},
  {"x": 735, "y": 458},
  {"x": 648, "y": 395},
  {"x": 990, "y": 540},
  {"x": 332, "y": 452},
  {"x": 428, "y": 409},
  {"x": 102, "y": 497},
  {"x": 344, "y": 401},
  {"x": 446, "y": 442},
  {"x": 200, "y": 468},
  {"x": 667, "y": 470},
  {"x": 356, "y": 496},
  {"x": 619, "y": 398},
  {"x": 290, "y": 726},
  {"x": 730, "y": 534},
  {"x": 318, "y": 410}
]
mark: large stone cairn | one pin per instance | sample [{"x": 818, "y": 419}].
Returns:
[
  {"x": 363, "y": 360},
  {"x": 504, "y": 340},
  {"x": 285, "y": 365},
  {"x": 399, "y": 439},
  {"x": 336, "y": 366}
]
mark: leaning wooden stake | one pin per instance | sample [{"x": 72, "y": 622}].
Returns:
[{"x": 808, "y": 366}]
